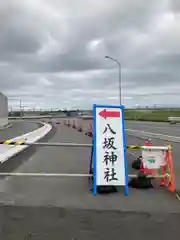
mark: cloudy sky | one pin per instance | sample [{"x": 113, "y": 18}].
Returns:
[{"x": 52, "y": 52}]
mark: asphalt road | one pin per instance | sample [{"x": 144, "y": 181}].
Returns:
[
  {"x": 155, "y": 127},
  {"x": 18, "y": 128},
  {"x": 64, "y": 208}
]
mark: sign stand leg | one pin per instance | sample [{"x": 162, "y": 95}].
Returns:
[
  {"x": 91, "y": 169},
  {"x": 91, "y": 161}
]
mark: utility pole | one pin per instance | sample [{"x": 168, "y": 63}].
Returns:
[
  {"x": 119, "y": 75},
  {"x": 20, "y": 108}
]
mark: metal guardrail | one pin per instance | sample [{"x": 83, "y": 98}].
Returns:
[
  {"x": 59, "y": 144},
  {"x": 24, "y": 174},
  {"x": 145, "y": 135},
  {"x": 50, "y": 144}
]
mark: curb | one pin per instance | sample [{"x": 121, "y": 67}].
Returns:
[{"x": 14, "y": 150}]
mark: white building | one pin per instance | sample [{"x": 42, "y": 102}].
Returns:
[{"x": 3, "y": 110}]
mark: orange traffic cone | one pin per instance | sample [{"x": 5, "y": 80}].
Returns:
[{"x": 148, "y": 142}]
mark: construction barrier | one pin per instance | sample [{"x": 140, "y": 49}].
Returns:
[
  {"x": 156, "y": 161},
  {"x": 152, "y": 156},
  {"x": 153, "y": 160},
  {"x": 157, "y": 164}
]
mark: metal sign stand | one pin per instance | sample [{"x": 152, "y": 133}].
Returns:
[{"x": 91, "y": 168}]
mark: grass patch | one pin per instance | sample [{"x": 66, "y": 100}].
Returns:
[{"x": 160, "y": 115}]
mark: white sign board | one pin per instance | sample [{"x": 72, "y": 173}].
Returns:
[
  {"x": 153, "y": 159},
  {"x": 110, "y": 146}
]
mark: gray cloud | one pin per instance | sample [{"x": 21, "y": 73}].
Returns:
[{"x": 52, "y": 52}]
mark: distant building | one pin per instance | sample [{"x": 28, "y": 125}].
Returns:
[{"x": 3, "y": 110}]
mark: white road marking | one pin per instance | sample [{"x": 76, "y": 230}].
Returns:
[
  {"x": 161, "y": 127},
  {"x": 156, "y": 134}
]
